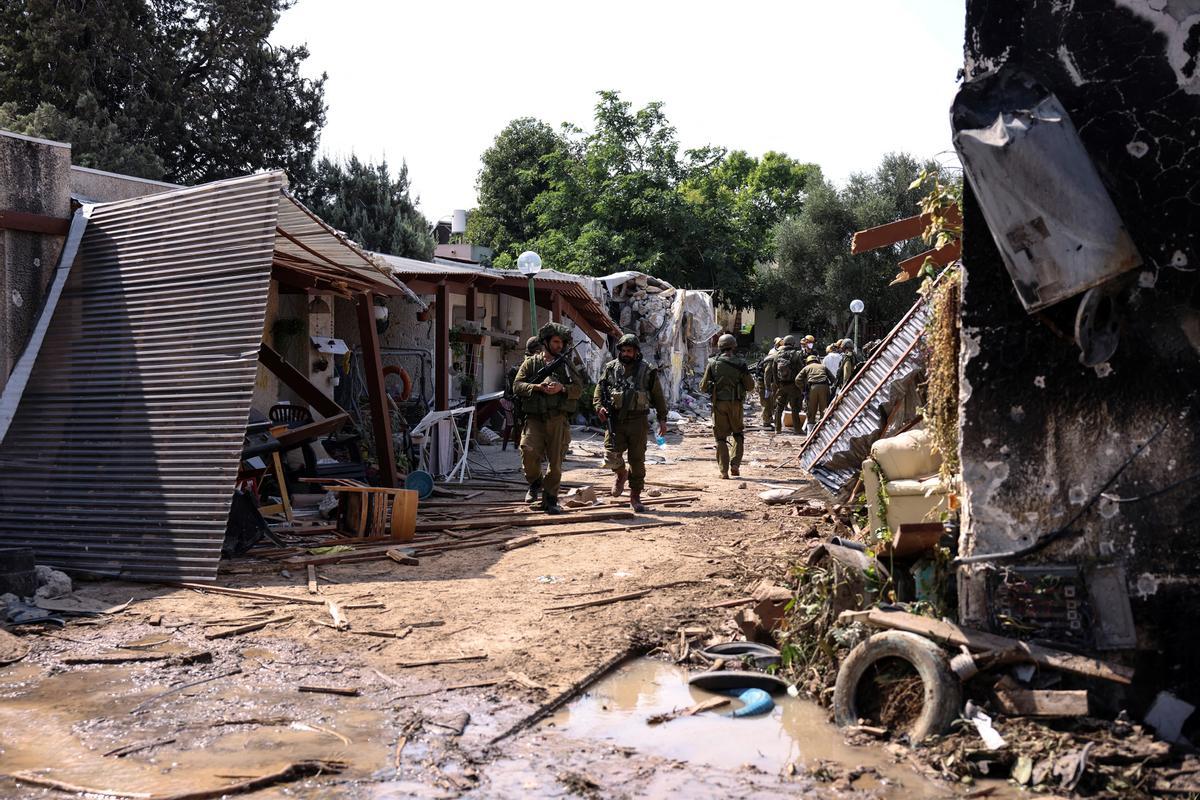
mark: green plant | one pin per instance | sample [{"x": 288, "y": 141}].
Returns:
[
  {"x": 942, "y": 204},
  {"x": 941, "y": 344}
]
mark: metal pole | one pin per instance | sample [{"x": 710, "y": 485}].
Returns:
[
  {"x": 856, "y": 350},
  {"x": 532, "y": 310}
]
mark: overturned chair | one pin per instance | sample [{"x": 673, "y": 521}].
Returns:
[{"x": 909, "y": 469}]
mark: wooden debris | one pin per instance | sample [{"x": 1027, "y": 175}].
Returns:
[
  {"x": 453, "y": 688},
  {"x": 741, "y": 601},
  {"x": 603, "y": 601},
  {"x": 524, "y": 680},
  {"x": 137, "y": 747},
  {"x": 402, "y": 558},
  {"x": 1017, "y": 701},
  {"x": 950, "y": 634},
  {"x": 154, "y": 619},
  {"x": 521, "y": 541},
  {"x": 339, "y": 618},
  {"x": 435, "y": 661},
  {"x": 117, "y": 658},
  {"x": 456, "y": 724},
  {"x": 704, "y": 705},
  {"x": 345, "y": 691},
  {"x": 292, "y": 772},
  {"x": 253, "y": 626},
  {"x": 283, "y": 598},
  {"x": 611, "y": 529},
  {"x": 312, "y": 579}
]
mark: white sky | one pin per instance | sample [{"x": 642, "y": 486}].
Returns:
[{"x": 839, "y": 82}]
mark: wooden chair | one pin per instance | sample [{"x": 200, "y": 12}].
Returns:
[{"x": 376, "y": 511}]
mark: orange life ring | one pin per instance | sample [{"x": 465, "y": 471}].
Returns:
[{"x": 404, "y": 379}]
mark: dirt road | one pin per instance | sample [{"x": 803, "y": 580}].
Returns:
[{"x": 245, "y": 715}]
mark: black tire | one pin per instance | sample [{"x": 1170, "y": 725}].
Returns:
[{"x": 943, "y": 692}]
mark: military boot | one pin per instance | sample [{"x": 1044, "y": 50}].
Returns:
[
  {"x": 635, "y": 501},
  {"x": 619, "y": 482},
  {"x": 550, "y": 505},
  {"x": 535, "y": 492},
  {"x": 734, "y": 470}
]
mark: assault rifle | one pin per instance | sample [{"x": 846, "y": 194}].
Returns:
[{"x": 548, "y": 368}]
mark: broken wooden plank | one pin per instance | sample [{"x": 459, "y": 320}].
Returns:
[
  {"x": 524, "y": 521},
  {"x": 283, "y": 598},
  {"x": 402, "y": 558},
  {"x": 344, "y": 691},
  {"x": 740, "y": 601},
  {"x": 690, "y": 711},
  {"x": 312, "y": 579},
  {"x": 435, "y": 661},
  {"x": 611, "y": 529},
  {"x": 1018, "y": 701},
  {"x": 521, "y": 541},
  {"x": 947, "y": 633},
  {"x": 117, "y": 658},
  {"x": 339, "y": 619},
  {"x": 137, "y": 747},
  {"x": 248, "y": 628},
  {"x": 176, "y": 689},
  {"x": 603, "y": 601}
]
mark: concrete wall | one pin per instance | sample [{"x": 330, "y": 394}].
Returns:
[
  {"x": 98, "y": 186},
  {"x": 33, "y": 179},
  {"x": 1042, "y": 434}
]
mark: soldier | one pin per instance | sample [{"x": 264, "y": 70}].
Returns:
[
  {"x": 808, "y": 346},
  {"x": 766, "y": 385},
  {"x": 849, "y": 363},
  {"x": 549, "y": 390},
  {"x": 514, "y": 419},
  {"x": 727, "y": 379},
  {"x": 787, "y": 366},
  {"x": 814, "y": 380},
  {"x": 627, "y": 390}
]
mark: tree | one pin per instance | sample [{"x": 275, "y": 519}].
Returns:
[
  {"x": 815, "y": 277},
  {"x": 624, "y": 197},
  {"x": 195, "y": 83},
  {"x": 370, "y": 206},
  {"x": 514, "y": 173}
]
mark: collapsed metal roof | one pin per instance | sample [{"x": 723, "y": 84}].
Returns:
[
  {"x": 842, "y": 440},
  {"x": 123, "y": 452}
]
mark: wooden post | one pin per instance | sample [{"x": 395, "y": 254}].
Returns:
[
  {"x": 556, "y": 307},
  {"x": 381, "y": 419},
  {"x": 469, "y": 349},
  {"x": 441, "y": 355}
]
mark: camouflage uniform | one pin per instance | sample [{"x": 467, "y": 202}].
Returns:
[
  {"x": 815, "y": 382},
  {"x": 547, "y": 430},
  {"x": 766, "y": 387},
  {"x": 726, "y": 379},
  {"x": 631, "y": 392},
  {"x": 787, "y": 393}
]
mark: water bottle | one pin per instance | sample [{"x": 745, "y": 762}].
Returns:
[{"x": 661, "y": 441}]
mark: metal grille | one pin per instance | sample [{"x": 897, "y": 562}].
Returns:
[
  {"x": 123, "y": 454},
  {"x": 836, "y": 449}
]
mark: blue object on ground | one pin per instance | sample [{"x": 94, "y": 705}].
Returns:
[
  {"x": 755, "y": 702},
  {"x": 421, "y": 482}
]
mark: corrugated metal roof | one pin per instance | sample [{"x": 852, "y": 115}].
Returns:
[
  {"x": 834, "y": 452},
  {"x": 123, "y": 453}
]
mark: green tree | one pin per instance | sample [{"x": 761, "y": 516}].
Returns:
[
  {"x": 815, "y": 277},
  {"x": 514, "y": 173},
  {"x": 195, "y": 83},
  {"x": 373, "y": 208}
]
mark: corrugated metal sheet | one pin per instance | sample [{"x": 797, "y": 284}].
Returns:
[
  {"x": 124, "y": 450},
  {"x": 834, "y": 452}
]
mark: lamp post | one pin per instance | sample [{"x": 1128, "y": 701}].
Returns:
[
  {"x": 530, "y": 264},
  {"x": 856, "y": 308}
]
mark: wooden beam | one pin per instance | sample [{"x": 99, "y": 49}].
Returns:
[
  {"x": 28, "y": 222},
  {"x": 298, "y": 382},
  {"x": 441, "y": 354},
  {"x": 381, "y": 418},
  {"x": 556, "y": 306},
  {"x": 895, "y": 232},
  {"x": 469, "y": 349},
  {"x": 584, "y": 325},
  {"x": 911, "y": 266},
  {"x": 312, "y": 430}
]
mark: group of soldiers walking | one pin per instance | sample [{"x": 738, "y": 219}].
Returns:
[
  {"x": 796, "y": 379},
  {"x": 546, "y": 389}
]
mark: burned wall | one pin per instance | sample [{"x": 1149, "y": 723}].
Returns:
[
  {"x": 1042, "y": 434},
  {"x": 34, "y": 178}
]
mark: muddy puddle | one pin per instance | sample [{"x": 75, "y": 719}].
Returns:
[
  {"x": 795, "y": 732},
  {"x": 71, "y": 726}
]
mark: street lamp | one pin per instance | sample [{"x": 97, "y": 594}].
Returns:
[
  {"x": 856, "y": 308},
  {"x": 530, "y": 264}
]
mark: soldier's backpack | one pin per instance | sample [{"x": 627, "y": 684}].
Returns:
[{"x": 785, "y": 367}]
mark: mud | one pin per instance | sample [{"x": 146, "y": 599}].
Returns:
[{"x": 61, "y": 718}]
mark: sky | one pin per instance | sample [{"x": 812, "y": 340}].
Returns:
[{"x": 836, "y": 83}]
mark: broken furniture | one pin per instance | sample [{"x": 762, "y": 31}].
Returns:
[
  {"x": 375, "y": 511},
  {"x": 912, "y": 490}
]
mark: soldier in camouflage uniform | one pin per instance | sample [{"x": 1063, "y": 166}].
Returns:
[
  {"x": 815, "y": 381},
  {"x": 547, "y": 404},
  {"x": 766, "y": 385},
  {"x": 627, "y": 390},
  {"x": 726, "y": 380},
  {"x": 514, "y": 418},
  {"x": 788, "y": 363}
]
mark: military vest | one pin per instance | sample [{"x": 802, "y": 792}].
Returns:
[
  {"x": 726, "y": 376},
  {"x": 540, "y": 404},
  {"x": 628, "y": 390}
]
